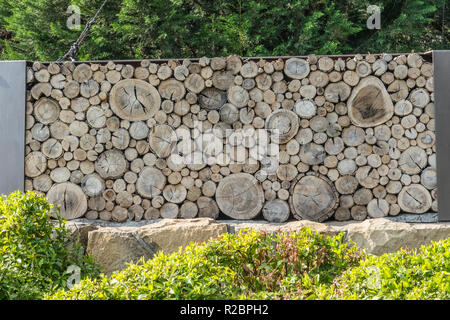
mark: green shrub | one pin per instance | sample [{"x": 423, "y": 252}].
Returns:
[
  {"x": 248, "y": 265},
  {"x": 406, "y": 275},
  {"x": 35, "y": 251}
]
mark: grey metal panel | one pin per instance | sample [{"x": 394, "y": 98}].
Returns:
[
  {"x": 441, "y": 60},
  {"x": 12, "y": 125}
]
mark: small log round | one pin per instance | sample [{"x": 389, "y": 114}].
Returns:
[
  {"x": 188, "y": 210},
  {"x": 69, "y": 199},
  {"x": 283, "y": 125},
  {"x": 111, "y": 164},
  {"x": 276, "y": 211},
  {"x": 370, "y": 104},
  {"x": 92, "y": 185},
  {"x": 296, "y": 68},
  {"x": 207, "y": 208},
  {"x": 150, "y": 183},
  {"x": 134, "y": 100},
  {"x": 414, "y": 199},
  {"x": 240, "y": 196},
  {"x": 212, "y": 99},
  {"x": 313, "y": 197}
]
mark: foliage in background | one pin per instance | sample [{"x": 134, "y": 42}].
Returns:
[
  {"x": 36, "y": 29},
  {"x": 35, "y": 251}
]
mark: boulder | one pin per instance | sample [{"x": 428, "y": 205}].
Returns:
[
  {"x": 380, "y": 236},
  {"x": 114, "y": 247}
]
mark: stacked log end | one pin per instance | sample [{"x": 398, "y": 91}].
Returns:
[{"x": 316, "y": 138}]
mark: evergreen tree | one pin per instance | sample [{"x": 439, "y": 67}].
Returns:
[{"x": 133, "y": 29}]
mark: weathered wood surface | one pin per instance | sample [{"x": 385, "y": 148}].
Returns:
[
  {"x": 313, "y": 198},
  {"x": 239, "y": 138},
  {"x": 240, "y": 196}
]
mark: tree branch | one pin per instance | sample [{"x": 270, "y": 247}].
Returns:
[{"x": 76, "y": 45}]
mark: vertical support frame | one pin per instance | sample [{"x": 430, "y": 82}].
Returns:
[
  {"x": 441, "y": 61},
  {"x": 12, "y": 125}
]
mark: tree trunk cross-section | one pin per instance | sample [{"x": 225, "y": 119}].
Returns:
[
  {"x": 111, "y": 164},
  {"x": 276, "y": 211},
  {"x": 296, "y": 68},
  {"x": 212, "y": 99},
  {"x": 150, "y": 183},
  {"x": 69, "y": 198},
  {"x": 134, "y": 100},
  {"x": 283, "y": 125},
  {"x": 370, "y": 104},
  {"x": 240, "y": 196},
  {"x": 414, "y": 199},
  {"x": 162, "y": 140},
  {"x": 313, "y": 197}
]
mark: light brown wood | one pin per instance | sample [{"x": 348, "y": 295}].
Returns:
[
  {"x": 69, "y": 199},
  {"x": 419, "y": 97},
  {"x": 82, "y": 73},
  {"x": 414, "y": 199},
  {"x": 223, "y": 80},
  {"x": 313, "y": 197},
  {"x": 336, "y": 92},
  {"x": 46, "y": 110},
  {"x": 287, "y": 172},
  {"x": 111, "y": 164},
  {"x": 229, "y": 113},
  {"x": 312, "y": 153},
  {"x": 151, "y": 214},
  {"x": 283, "y": 125},
  {"x": 162, "y": 140},
  {"x": 60, "y": 175},
  {"x": 212, "y": 99},
  {"x": 134, "y": 100},
  {"x": 398, "y": 90},
  {"x": 276, "y": 211},
  {"x": 359, "y": 213},
  {"x": 249, "y": 69},
  {"x": 238, "y": 96},
  {"x": 306, "y": 109},
  {"x": 318, "y": 79},
  {"x": 346, "y": 184},
  {"x": 370, "y": 104},
  {"x": 175, "y": 193},
  {"x": 119, "y": 214},
  {"x": 413, "y": 160},
  {"x": 52, "y": 149},
  {"x": 296, "y": 68},
  {"x": 151, "y": 182},
  {"x": 172, "y": 89},
  {"x": 207, "y": 208},
  {"x": 240, "y": 196},
  {"x": 93, "y": 185},
  {"x": 188, "y": 210},
  {"x": 194, "y": 83},
  {"x": 353, "y": 136},
  {"x": 325, "y": 64},
  {"x": 42, "y": 183},
  {"x": 367, "y": 177},
  {"x": 234, "y": 64}
]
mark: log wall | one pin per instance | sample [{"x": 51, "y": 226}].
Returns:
[{"x": 316, "y": 138}]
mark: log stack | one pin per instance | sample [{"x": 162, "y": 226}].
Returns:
[{"x": 308, "y": 138}]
